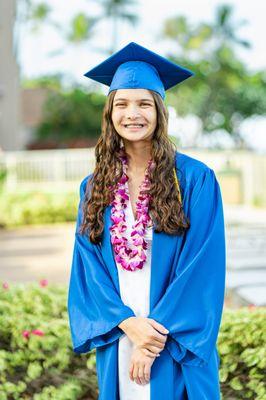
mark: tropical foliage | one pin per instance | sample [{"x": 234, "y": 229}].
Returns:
[
  {"x": 37, "y": 361},
  {"x": 223, "y": 92}
]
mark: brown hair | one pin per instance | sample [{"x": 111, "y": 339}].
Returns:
[{"x": 165, "y": 208}]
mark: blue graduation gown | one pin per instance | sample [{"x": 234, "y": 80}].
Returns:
[{"x": 186, "y": 295}]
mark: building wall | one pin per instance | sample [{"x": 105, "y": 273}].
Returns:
[
  {"x": 242, "y": 174},
  {"x": 10, "y": 139}
]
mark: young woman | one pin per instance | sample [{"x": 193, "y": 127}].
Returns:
[{"x": 148, "y": 272}]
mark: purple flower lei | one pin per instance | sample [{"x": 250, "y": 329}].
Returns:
[{"x": 130, "y": 254}]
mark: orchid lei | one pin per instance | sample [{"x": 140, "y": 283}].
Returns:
[{"x": 130, "y": 254}]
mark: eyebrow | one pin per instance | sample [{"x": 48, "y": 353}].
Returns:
[{"x": 122, "y": 99}]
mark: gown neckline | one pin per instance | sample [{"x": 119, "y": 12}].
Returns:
[{"x": 130, "y": 207}]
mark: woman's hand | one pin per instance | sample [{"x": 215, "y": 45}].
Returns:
[
  {"x": 146, "y": 334},
  {"x": 140, "y": 367}
]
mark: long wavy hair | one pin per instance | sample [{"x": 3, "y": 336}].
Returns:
[{"x": 165, "y": 207}]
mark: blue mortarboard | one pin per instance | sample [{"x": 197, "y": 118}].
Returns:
[{"x": 135, "y": 67}]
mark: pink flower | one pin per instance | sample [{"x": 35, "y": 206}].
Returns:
[
  {"x": 5, "y": 285},
  {"x": 134, "y": 252},
  {"x": 138, "y": 241},
  {"x": 123, "y": 194},
  {"x": 37, "y": 332},
  {"x": 130, "y": 255},
  {"x": 26, "y": 334},
  {"x": 43, "y": 282},
  {"x": 116, "y": 240},
  {"x": 123, "y": 179}
]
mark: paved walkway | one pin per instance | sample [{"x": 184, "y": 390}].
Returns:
[
  {"x": 36, "y": 252},
  {"x": 246, "y": 254}
]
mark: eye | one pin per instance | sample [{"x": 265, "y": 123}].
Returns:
[
  {"x": 145, "y": 104},
  {"x": 120, "y": 104}
]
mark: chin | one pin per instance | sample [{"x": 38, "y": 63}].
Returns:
[
  {"x": 137, "y": 139},
  {"x": 134, "y": 136}
]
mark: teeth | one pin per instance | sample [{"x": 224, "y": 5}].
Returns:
[{"x": 134, "y": 125}]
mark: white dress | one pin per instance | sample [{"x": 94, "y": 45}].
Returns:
[{"x": 135, "y": 293}]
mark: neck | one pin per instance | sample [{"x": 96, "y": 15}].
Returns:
[{"x": 138, "y": 155}]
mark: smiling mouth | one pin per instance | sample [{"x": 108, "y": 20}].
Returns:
[{"x": 133, "y": 125}]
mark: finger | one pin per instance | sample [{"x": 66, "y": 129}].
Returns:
[
  {"x": 137, "y": 381},
  {"x": 151, "y": 341},
  {"x": 131, "y": 369},
  {"x": 135, "y": 372},
  {"x": 141, "y": 374},
  {"x": 154, "y": 349},
  {"x": 155, "y": 338},
  {"x": 159, "y": 327},
  {"x": 149, "y": 353},
  {"x": 147, "y": 372}
]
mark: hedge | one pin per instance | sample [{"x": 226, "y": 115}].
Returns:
[
  {"x": 37, "y": 361},
  {"x": 36, "y": 358},
  {"x": 37, "y": 208}
]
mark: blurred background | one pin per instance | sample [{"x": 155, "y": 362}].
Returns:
[{"x": 50, "y": 116}]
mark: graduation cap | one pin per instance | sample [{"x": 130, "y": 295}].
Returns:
[{"x": 135, "y": 67}]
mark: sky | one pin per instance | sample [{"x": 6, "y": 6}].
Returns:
[
  {"x": 36, "y": 49},
  {"x": 41, "y": 53}
]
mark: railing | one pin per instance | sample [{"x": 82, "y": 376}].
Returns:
[
  {"x": 28, "y": 170},
  {"x": 241, "y": 172}
]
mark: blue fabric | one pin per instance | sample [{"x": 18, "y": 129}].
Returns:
[
  {"x": 136, "y": 75},
  {"x": 186, "y": 295},
  {"x": 135, "y": 67}
]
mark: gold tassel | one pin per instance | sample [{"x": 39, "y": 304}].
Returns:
[{"x": 178, "y": 188}]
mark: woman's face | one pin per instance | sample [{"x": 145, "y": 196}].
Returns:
[{"x": 134, "y": 114}]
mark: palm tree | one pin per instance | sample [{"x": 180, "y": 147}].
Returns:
[
  {"x": 220, "y": 34},
  {"x": 220, "y": 98},
  {"x": 82, "y": 26},
  {"x": 224, "y": 28},
  {"x": 117, "y": 10}
]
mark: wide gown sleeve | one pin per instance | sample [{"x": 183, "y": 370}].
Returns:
[
  {"x": 191, "y": 307},
  {"x": 95, "y": 308}
]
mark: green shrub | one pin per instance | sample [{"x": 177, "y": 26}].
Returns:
[
  {"x": 37, "y": 208},
  {"x": 37, "y": 361},
  {"x": 3, "y": 175},
  {"x": 242, "y": 348},
  {"x": 71, "y": 114},
  {"x": 36, "y": 357}
]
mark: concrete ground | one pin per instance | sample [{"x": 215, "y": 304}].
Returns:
[{"x": 35, "y": 252}]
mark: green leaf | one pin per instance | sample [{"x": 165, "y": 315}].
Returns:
[{"x": 236, "y": 384}]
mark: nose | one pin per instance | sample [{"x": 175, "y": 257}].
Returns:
[{"x": 132, "y": 112}]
